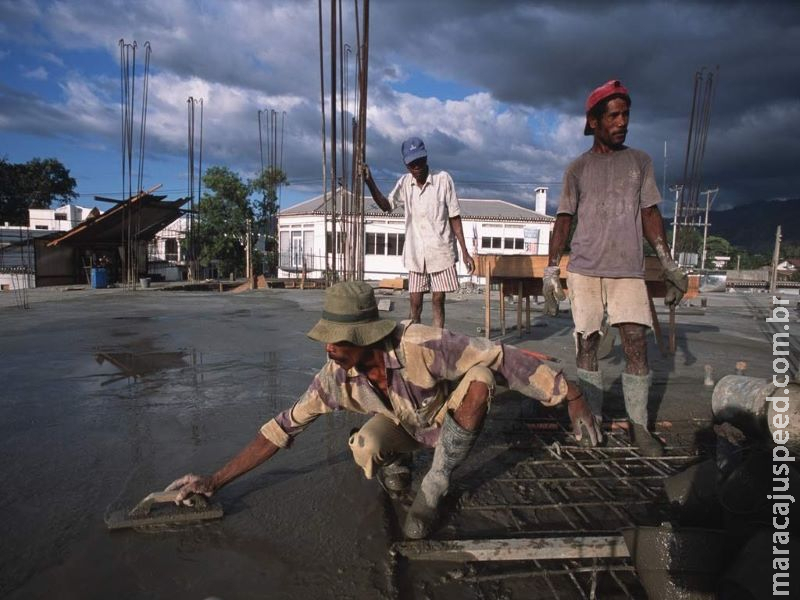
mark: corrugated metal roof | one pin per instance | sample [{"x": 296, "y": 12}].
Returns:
[
  {"x": 484, "y": 209},
  {"x": 145, "y": 213}
]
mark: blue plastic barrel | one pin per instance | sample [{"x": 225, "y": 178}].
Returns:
[{"x": 99, "y": 277}]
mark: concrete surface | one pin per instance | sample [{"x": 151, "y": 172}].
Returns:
[{"x": 108, "y": 395}]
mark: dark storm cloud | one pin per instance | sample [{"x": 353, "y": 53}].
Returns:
[
  {"x": 552, "y": 54},
  {"x": 537, "y": 59}
]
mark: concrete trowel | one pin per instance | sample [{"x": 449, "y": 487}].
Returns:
[{"x": 159, "y": 508}]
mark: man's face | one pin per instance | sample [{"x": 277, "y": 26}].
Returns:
[
  {"x": 418, "y": 168},
  {"x": 612, "y": 128},
  {"x": 345, "y": 354}
]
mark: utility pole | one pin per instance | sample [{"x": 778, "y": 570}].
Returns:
[
  {"x": 664, "y": 176},
  {"x": 677, "y": 189},
  {"x": 773, "y": 272},
  {"x": 249, "y": 251},
  {"x": 709, "y": 201}
]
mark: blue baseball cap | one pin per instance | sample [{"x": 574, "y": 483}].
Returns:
[{"x": 413, "y": 148}]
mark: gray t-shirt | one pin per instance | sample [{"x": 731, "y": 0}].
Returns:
[{"x": 608, "y": 193}]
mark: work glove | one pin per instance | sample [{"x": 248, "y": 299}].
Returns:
[
  {"x": 552, "y": 291},
  {"x": 677, "y": 282},
  {"x": 584, "y": 421}
]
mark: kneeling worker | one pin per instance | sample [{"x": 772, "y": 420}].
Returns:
[{"x": 423, "y": 386}]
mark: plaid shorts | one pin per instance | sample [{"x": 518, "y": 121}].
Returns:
[{"x": 442, "y": 281}]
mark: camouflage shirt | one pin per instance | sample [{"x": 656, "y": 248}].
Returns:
[{"x": 422, "y": 364}]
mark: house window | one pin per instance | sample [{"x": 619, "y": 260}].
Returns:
[
  {"x": 497, "y": 242},
  {"x": 61, "y": 217},
  {"x": 308, "y": 249},
  {"x": 41, "y": 227},
  {"x": 395, "y": 243},
  {"x": 171, "y": 249},
  {"x": 385, "y": 244}
]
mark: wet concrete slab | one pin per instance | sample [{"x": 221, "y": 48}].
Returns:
[{"x": 108, "y": 395}]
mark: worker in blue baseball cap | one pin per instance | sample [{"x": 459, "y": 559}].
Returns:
[{"x": 433, "y": 226}]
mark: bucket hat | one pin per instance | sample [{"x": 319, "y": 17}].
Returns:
[{"x": 350, "y": 314}]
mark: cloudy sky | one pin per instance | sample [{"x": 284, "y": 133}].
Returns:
[{"x": 496, "y": 89}]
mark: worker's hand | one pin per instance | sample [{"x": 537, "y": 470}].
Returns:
[
  {"x": 583, "y": 420},
  {"x": 552, "y": 291},
  {"x": 469, "y": 263},
  {"x": 191, "y": 484},
  {"x": 677, "y": 282}
]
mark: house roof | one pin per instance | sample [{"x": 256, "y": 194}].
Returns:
[
  {"x": 483, "y": 209},
  {"x": 144, "y": 215}
]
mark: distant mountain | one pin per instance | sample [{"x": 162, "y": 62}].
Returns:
[{"x": 752, "y": 226}]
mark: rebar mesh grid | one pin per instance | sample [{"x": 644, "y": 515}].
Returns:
[{"x": 533, "y": 481}]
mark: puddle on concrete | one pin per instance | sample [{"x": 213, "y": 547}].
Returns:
[
  {"x": 133, "y": 365},
  {"x": 137, "y": 359}
]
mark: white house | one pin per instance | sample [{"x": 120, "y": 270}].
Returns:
[
  {"x": 491, "y": 226},
  {"x": 17, "y": 254},
  {"x": 166, "y": 253},
  {"x": 62, "y": 218}
]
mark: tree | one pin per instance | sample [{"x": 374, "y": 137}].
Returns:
[
  {"x": 719, "y": 246},
  {"x": 223, "y": 212},
  {"x": 34, "y": 184}
]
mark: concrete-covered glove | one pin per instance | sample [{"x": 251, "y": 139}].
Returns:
[
  {"x": 552, "y": 291},
  {"x": 584, "y": 422},
  {"x": 677, "y": 282}
]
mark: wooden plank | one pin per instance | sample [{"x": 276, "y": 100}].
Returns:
[
  {"x": 394, "y": 283},
  {"x": 519, "y": 308},
  {"x": 560, "y": 548},
  {"x": 527, "y": 314},
  {"x": 502, "y": 307},
  {"x": 657, "y": 328},
  {"x": 672, "y": 329}
]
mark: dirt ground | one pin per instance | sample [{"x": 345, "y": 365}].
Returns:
[{"x": 108, "y": 395}]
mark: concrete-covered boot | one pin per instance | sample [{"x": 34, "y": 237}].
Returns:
[
  {"x": 395, "y": 477},
  {"x": 636, "y": 391},
  {"x": 454, "y": 445},
  {"x": 591, "y": 384}
]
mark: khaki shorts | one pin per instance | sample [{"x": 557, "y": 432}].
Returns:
[
  {"x": 624, "y": 299},
  {"x": 381, "y": 440}
]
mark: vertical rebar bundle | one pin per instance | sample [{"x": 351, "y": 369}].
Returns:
[
  {"x": 191, "y": 103},
  {"x": 131, "y": 230},
  {"x": 271, "y": 133},
  {"x": 688, "y": 210},
  {"x": 344, "y": 254}
]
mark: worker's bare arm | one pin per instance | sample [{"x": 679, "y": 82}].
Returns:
[
  {"x": 255, "y": 453},
  {"x": 653, "y": 230},
  {"x": 458, "y": 230},
  {"x": 675, "y": 278},
  {"x": 560, "y": 236},
  {"x": 377, "y": 196}
]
